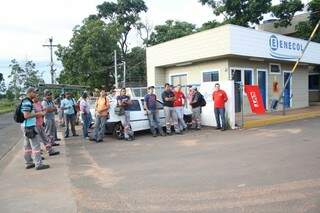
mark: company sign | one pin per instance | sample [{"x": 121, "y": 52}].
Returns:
[{"x": 282, "y": 48}]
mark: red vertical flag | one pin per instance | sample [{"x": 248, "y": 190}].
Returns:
[{"x": 255, "y": 99}]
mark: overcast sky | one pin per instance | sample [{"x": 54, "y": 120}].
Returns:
[{"x": 27, "y": 24}]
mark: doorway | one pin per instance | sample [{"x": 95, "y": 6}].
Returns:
[
  {"x": 262, "y": 83},
  {"x": 287, "y": 90}
]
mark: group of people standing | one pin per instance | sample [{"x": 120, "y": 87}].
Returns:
[
  {"x": 174, "y": 103},
  {"x": 39, "y": 127},
  {"x": 39, "y": 124}
]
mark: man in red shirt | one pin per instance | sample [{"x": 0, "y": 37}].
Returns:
[
  {"x": 178, "y": 104},
  {"x": 220, "y": 97}
]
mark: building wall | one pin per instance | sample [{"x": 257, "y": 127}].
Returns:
[
  {"x": 300, "y": 89},
  {"x": 194, "y": 72}
]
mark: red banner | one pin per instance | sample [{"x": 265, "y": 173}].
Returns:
[{"x": 255, "y": 99}]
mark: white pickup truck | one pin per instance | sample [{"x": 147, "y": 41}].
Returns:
[{"x": 138, "y": 117}]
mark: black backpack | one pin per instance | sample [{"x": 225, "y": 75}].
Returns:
[
  {"x": 202, "y": 101},
  {"x": 18, "y": 115}
]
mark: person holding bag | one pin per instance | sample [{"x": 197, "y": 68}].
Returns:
[{"x": 124, "y": 101}]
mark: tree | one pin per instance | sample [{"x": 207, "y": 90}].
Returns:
[
  {"x": 209, "y": 25},
  {"x": 23, "y": 77},
  {"x": 2, "y": 84},
  {"x": 136, "y": 61},
  {"x": 304, "y": 29},
  {"x": 239, "y": 12},
  {"x": 171, "y": 30},
  {"x": 88, "y": 58},
  {"x": 144, "y": 31},
  {"x": 285, "y": 11},
  {"x": 123, "y": 16}
]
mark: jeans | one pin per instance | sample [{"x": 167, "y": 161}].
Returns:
[
  {"x": 171, "y": 117},
  {"x": 85, "y": 124},
  {"x": 179, "y": 112},
  {"x": 125, "y": 121},
  {"x": 70, "y": 119},
  {"x": 154, "y": 122},
  {"x": 220, "y": 113},
  {"x": 99, "y": 127}
]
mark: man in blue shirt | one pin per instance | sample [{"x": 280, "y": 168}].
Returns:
[
  {"x": 150, "y": 105},
  {"x": 68, "y": 107},
  {"x": 31, "y": 137}
]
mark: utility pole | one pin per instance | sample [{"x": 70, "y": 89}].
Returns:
[
  {"x": 115, "y": 69},
  {"x": 124, "y": 74},
  {"x": 51, "y": 58}
]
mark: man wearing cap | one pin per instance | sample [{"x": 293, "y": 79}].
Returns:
[
  {"x": 170, "y": 113},
  {"x": 49, "y": 120},
  {"x": 150, "y": 105},
  {"x": 68, "y": 107},
  {"x": 31, "y": 136}
]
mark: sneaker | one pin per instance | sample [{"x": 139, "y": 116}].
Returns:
[
  {"x": 162, "y": 134},
  {"x": 58, "y": 139},
  {"x": 129, "y": 139},
  {"x": 86, "y": 138},
  {"x": 223, "y": 129},
  {"x": 198, "y": 128},
  {"x": 30, "y": 166},
  {"x": 154, "y": 135},
  {"x": 55, "y": 144},
  {"x": 75, "y": 135},
  {"x": 54, "y": 153},
  {"x": 42, "y": 166},
  {"x": 99, "y": 141},
  {"x": 66, "y": 136},
  {"x": 217, "y": 128}
]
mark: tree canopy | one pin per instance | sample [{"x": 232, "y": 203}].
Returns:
[
  {"x": 171, "y": 30},
  {"x": 123, "y": 16},
  {"x": 89, "y": 54},
  {"x": 304, "y": 29},
  {"x": 22, "y": 77}
]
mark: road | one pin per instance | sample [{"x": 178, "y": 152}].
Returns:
[
  {"x": 10, "y": 133},
  {"x": 262, "y": 170},
  {"x": 272, "y": 169}
]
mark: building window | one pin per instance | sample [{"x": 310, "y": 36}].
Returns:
[
  {"x": 275, "y": 69},
  {"x": 210, "y": 76},
  {"x": 314, "y": 82},
  {"x": 179, "y": 79},
  {"x": 248, "y": 77}
]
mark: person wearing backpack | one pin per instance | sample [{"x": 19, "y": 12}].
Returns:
[
  {"x": 220, "y": 97},
  {"x": 196, "y": 104},
  {"x": 102, "y": 114},
  {"x": 26, "y": 115}
]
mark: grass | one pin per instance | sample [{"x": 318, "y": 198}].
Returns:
[{"x": 6, "y": 106}]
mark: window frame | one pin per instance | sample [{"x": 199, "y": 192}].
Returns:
[
  {"x": 275, "y": 73},
  {"x": 314, "y": 90},
  {"x": 209, "y": 71},
  {"x": 176, "y": 75}
]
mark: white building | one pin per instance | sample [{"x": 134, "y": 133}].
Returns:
[{"x": 241, "y": 54}]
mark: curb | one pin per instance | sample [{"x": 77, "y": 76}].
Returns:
[{"x": 277, "y": 119}]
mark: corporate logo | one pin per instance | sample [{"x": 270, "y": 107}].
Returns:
[{"x": 284, "y": 49}]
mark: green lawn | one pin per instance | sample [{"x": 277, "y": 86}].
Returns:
[{"x": 6, "y": 106}]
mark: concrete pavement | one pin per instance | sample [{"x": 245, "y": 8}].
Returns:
[{"x": 270, "y": 169}]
